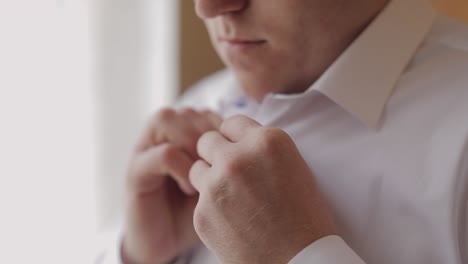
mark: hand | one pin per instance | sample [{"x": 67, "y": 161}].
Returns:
[
  {"x": 161, "y": 199},
  {"x": 258, "y": 200}
]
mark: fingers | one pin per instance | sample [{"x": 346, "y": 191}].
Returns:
[
  {"x": 190, "y": 126},
  {"x": 214, "y": 118},
  {"x": 168, "y": 146},
  {"x": 153, "y": 133},
  {"x": 150, "y": 167},
  {"x": 195, "y": 119},
  {"x": 211, "y": 145},
  {"x": 198, "y": 175},
  {"x": 182, "y": 127},
  {"x": 237, "y": 127},
  {"x": 183, "y": 134}
]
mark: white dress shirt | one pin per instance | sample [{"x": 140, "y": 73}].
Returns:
[{"x": 385, "y": 132}]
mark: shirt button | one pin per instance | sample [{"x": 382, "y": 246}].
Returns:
[{"x": 240, "y": 104}]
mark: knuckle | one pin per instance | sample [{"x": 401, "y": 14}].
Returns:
[
  {"x": 187, "y": 112},
  {"x": 233, "y": 166},
  {"x": 207, "y": 136},
  {"x": 230, "y": 121},
  {"x": 205, "y": 112},
  {"x": 164, "y": 115},
  {"x": 270, "y": 140},
  {"x": 235, "y": 119},
  {"x": 236, "y": 173},
  {"x": 205, "y": 139},
  {"x": 201, "y": 142},
  {"x": 195, "y": 169},
  {"x": 200, "y": 221},
  {"x": 273, "y": 134},
  {"x": 168, "y": 153}
]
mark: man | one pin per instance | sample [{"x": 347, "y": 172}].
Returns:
[{"x": 338, "y": 134}]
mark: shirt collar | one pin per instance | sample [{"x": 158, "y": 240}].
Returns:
[{"x": 362, "y": 79}]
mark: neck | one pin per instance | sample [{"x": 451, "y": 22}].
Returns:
[{"x": 347, "y": 27}]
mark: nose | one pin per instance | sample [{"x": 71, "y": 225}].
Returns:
[{"x": 212, "y": 8}]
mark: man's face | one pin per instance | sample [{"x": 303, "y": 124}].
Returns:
[{"x": 273, "y": 45}]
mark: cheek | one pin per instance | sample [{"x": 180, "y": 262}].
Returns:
[
  {"x": 285, "y": 28},
  {"x": 287, "y": 45},
  {"x": 295, "y": 39}
]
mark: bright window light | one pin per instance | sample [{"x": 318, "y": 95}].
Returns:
[{"x": 47, "y": 133}]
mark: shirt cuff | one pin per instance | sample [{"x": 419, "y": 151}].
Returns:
[{"x": 327, "y": 250}]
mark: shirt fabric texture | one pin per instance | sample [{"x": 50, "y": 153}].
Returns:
[{"x": 385, "y": 132}]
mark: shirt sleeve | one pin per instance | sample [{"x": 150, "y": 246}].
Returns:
[{"x": 327, "y": 250}]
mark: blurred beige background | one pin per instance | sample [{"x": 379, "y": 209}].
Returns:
[
  {"x": 198, "y": 58},
  {"x": 455, "y": 8}
]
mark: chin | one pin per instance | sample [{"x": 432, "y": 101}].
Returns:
[{"x": 254, "y": 86}]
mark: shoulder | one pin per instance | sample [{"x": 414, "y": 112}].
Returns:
[
  {"x": 449, "y": 33},
  {"x": 436, "y": 79},
  {"x": 207, "y": 92},
  {"x": 445, "y": 47},
  {"x": 442, "y": 59}
]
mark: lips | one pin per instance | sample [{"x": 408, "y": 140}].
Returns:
[
  {"x": 239, "y": 52},
  {"x": 243, "y": 41}
]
